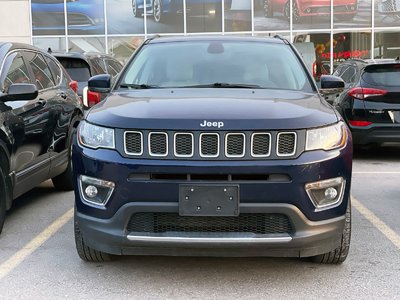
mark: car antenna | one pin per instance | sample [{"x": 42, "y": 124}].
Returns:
[
  {"x": 49, "y": 50},
  {"x": 397, "y": 58},
  {"x": 149, "y": 39},
  {"x": 278, "y": 36}
]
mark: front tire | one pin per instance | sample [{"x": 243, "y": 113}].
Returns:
[
  {"x": 85, "y": 252},
  {"x": 157, "y": 11},
  {"x": 338, "y": 255},
  {"x": 295, "y": 11},
  {"x": 268, "y": 10},
  {"x": 137, "y": 13}
]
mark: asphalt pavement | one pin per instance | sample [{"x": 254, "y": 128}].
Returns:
[{"x": 38, "y": 258}]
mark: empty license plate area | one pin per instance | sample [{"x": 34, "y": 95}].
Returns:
[{"x": 208, "y": 200}]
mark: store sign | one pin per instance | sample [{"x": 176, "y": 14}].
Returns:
[{"x": 346, "y": 54}]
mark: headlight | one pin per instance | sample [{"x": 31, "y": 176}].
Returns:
[
  {"x": 326, "y": 138},
  {"x": 94, "y": 136}
]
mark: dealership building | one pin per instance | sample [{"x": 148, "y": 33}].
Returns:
[{"x": 336, "y": 29}]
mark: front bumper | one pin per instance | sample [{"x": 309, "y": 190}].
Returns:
[
  {"x": 310, "y": 238},
  {"x": 376, "y": 134}
]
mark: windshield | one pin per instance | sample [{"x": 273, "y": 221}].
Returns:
[{"x": 216, "y": 64}]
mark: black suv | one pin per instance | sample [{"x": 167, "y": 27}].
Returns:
[
  {"x": 82, "y": 66},
  {"x": 213, "y": 146},
  {"x": 39, "y": 111},
  {"x": 370, "y": 104}
]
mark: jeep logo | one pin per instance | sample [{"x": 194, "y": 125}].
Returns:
[{"x": 212, "y": 124}]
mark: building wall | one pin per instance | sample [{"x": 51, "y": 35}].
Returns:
[{"x": 15, "y": 21}]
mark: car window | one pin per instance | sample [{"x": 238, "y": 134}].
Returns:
[
  {"x": 113, "y": 67},
  {"x": 17, "y": 72},
  {"x": 382, "y": 75},
  {"x": 178, "y": 64},
  {"x": 339, "y": 70},
  {"x": 98, "y": 66},
  {"x": 55, "y": 70},
  {"x": 349, "y": 74},
  {"x": 78, "y": 69},
  {"x": 41, "y": 71}
]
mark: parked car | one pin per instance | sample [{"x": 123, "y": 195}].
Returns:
[
  {"x": 39, "y": 111},
  {"x": 84, "y": 16},
  {"x": 344, "y": 10},
  {"x": 162, "y": 9},
  {"x": 82, "y": 66},
  {"x": 370, "y": 104},
  {"x": 213, "y": 145}
]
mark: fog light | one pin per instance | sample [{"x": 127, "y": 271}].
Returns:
[
  {"x": 91, "y": 191},
  {"x": 95, "y": 191},
  {"x": 330, "y": 193},
  {"x": 326, "y": 194}
]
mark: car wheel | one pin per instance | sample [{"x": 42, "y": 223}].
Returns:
[
  {"x": 157, "y": 10},
  {"x": 296, "y": 13},
  {"x": 338, "y": 255},
  {"x": 137, "y": 13},
  {"x": 85, "y": 252},
  {"x": 64, "y": 181},
  {"x": 3, "y": 197},
  {"x": 268, "y": 11}
]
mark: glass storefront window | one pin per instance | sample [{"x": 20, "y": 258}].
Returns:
[
  {"x": 237, "y": 15},
  {"x": 204, "y": 16},
  {"x": 50, "y": 44},
  {"x": 352, "y": 13},
  {"x": 48, "y": 17},
  {"x": 123, "y": 47},
  {"x": 387, "y": 13},
  {"x": 85, "y": 17},
  {"x": 270, "y": 16},
  {"x": 85, "y": 44},
  {"x": 164, "y": 16},
  {"x": 387, "y": 45},
  {"x": 310, "y": 14},
  {"x": 125, "y": 17}
]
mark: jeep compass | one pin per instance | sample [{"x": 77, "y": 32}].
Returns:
[{"x": 213, "y": 146}]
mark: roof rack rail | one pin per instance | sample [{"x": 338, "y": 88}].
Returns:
[
  {"x": 278, "y": 36},
  {"x": 149, "y": 39}
]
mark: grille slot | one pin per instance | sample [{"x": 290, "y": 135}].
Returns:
[
  {"x": 172, "y": 222},
  {"x": 158, "y": 144},
  {"x": 286, "y": 144},
  {"x": 261, "y": 144},
  {"x": 133, "y": 142},
  {"x": 235, "y": 145},
  {"x": 209, "y": 145},
  {"x": 183, "y": 144}
]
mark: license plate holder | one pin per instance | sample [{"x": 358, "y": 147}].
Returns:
[{"x": 208, "y": 200}]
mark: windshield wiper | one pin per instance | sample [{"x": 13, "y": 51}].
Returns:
[
  {"x": 142, "y": 86},
  {"x": 226, "y": 85}
]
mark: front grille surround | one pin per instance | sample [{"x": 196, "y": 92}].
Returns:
[
  {"x": 137, "y": 153},
  {"x": 201, "y": 146},
  {"x": 176, "y": 152},
  {"x": 150, "y": 144},
  {"x": 229, "y": 145},
  {"x": 279, "y": 146},
  {"x": 266, "y": 153}
]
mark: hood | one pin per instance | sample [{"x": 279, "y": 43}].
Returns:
[{"x": 237, "y": 109}]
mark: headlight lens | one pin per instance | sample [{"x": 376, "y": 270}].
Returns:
[
  {"x": 326, "y": 138},
  {"x": 94, "y": 136}
]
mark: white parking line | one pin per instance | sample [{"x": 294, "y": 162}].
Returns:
[
  {"x": 376, "y": 172},
  {"x": 15, "y": 260},
  {"x": 378, "y": 223}
]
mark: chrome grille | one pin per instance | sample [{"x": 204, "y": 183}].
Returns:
[
  {"x": 133, "y": 142},
  {"x": 286, "y": 144},
  {"x": 184, "y": 145},
  {"x": 235, "y": 144},
  {"x": 224, "y": 145},
  {"x": 171, "y": 222},
  {"x": 158, "y": 144},
  {"x": 261, "y": 144},
  {"x": 209, "y": 144}
]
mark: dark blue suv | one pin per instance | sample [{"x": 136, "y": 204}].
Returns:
[{"x": 218, "y": 146}]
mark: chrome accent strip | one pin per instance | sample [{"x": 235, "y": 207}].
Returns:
[
  {"x": 218, "y": 146},
  {"x": 166, "y": 144},
  {"x": 206, "y": 240},
  {"x": 226, "y": 144},
  {"x": 252, "y": 144},
  {"x": 141, "y": 143},
  {"x": 183, "y": 133},
  {"x": 33, "y": 167},
  {"x": 277, "y": 144}
]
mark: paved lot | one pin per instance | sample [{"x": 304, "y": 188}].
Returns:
[{"x": 54, "y": 270}]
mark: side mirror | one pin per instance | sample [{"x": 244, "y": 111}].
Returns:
[
  {"x": 100, "y": 83},
  {"x": 20, "y": 92},
  {"x": 331, "y": 84}
]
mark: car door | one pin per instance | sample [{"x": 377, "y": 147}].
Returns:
[{"x": 30, "y": 158}]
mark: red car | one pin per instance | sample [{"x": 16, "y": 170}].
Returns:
[{"x": 343, "y": 9}]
